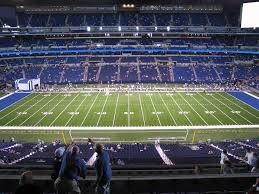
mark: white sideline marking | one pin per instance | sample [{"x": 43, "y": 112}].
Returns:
[
  {"x": 247, "y": 94},
  {"x": 193, "y": 109},
  {"x": 239, "y": 107},
  {"x": 115, "y": 111},
  {"x": 155, "y": 109},
  {"x": 167, "y": 108},
  {"x": 141, "y": 108},
  {"x": 146, "y": 128},
  {"x": 64, "y": 109},
  {"x": 25, "y": 110},
  {"x": 217, "y": 107},
  {"x": 181, "y": 110},
  {"x": 102, "y": 113},
  {"x": 17, "y": 106},
  {"x": 90, "y": 109},
  {"x": 3, "y": 97}
]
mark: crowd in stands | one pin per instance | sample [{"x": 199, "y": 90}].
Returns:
[{"x": 123, "y": 19}]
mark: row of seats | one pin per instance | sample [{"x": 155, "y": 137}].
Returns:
[
  {"x": 183, "y": 43},
  {"x": 135, "y": 153},
  {"x": 124, "y": 19}
]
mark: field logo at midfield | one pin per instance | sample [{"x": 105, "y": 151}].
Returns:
[
  {"x": 47, "y": 113},
  {"x": 67, "y": 94},
  {"x": 47, "y": 95},
  {"x": 209, "y": 94},
  {"x": 189, "y": 94},
  {"x": 236, "y": 112},
  {"x": 183, "y": 112},
  {"x": 101, "y": 113},
  {"x": 73, "y": 113},
  {"x": 131, "y": 113},
  {"x": 22, "y": 113},
  {"x": 157, "y": 113},
  {"x": 210, "y": 112}
]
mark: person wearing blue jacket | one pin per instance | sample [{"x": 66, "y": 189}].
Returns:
[{"x": 71, "y": 169}]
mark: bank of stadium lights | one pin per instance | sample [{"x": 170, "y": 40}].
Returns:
[
  {"x": 155, "y": 28},
  {"x": 88, "y": 28},
  {"x": 100, "y": 28},
  {"x": 168, "y": 28},
  {"x": 119, "y": 28},
  {"x": 128, "y": 5},
  {"x": 137, "y": 28}
]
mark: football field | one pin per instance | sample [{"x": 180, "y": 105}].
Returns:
[{"x": 128, "y": 111}]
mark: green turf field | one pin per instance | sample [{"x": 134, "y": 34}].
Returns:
[{"x": 166, "y": 114}]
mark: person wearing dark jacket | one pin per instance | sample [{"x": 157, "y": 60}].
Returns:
[
  {"x": 26, "y": 185},
  {"x": 71, "y": 169},
  {"x": 57, "y": 162}
]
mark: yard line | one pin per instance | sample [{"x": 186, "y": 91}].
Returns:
[
  {"x": 63, "y": 110},
  {"x": 102, "y": 110},
  {"x": 167, "y": 108},
  {"x": 25, "y": 110},
  {"x": 181, "y": 110},
  {"x": 114, "y": 116},
  {"x": 155, "y": 109},
  {"x": 18, "y": 107},
  {"x": 140, "y": 103},
  {"x": 38, "y": 110},
  {"x": 193, "y": 109},
  {"x": 207, "y": 110},
  {"x": 89, "y": 109},
  {"x": 231, "y": 109},
  {"x": 51, "y": 110},
  {"x": 217, "y": 108},
  {"x": 239, "y": 105},
  {"x": 76, "y": 110},
  {"x": 128, "y": 110}
]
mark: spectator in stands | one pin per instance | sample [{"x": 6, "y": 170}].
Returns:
[
  {"x": 71, "y": 169},
  {"x": 249, "y": 158},
  {"x": 228, "y": 167},
  {"x": 57, "y": 162},
  {"x": 254, "y": 189},
  {"x": 103, "y": 170},
  {"x": 26, "y": 185},
  {"x": 223, "y": 158},
  {"x": 255, "y": 163}
]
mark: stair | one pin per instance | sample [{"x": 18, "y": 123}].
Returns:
[
  {"x": 62, "y": 76},
  {"x": 66, "y": 20},
  {"x": 155, "y": 19},
  {"x": 163, "y": 156},
  {"x": 208, "y": 20},
  {"x": 171, "y": 72},
  {"x": 190, "y": 20},
  {"x": 119, "y": 74},
  {"x": 98, "y": 74},
  {"x": 23, "y": 74},
  {"x": 233, "y": 73},
  {"x": 85, "y": 73},
  {"x": 158, "y": 73},
  {"x": 42, "y": 68},
  {"x": 194, "y": 72},
  {"x": 48, "y": 21},
  {"x": 217, "y": 73},
  {"x": 84, "y": 23},
  {"x": 102, "y": 20},
  {"x": 17, "y": 20},
  {"x": 138, "y": 71},
  {"x": 29, "y": 20}
]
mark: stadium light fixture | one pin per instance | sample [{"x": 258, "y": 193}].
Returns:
[
  {"x": 119, "y": 28},
  {"x": 101, "y": 28},
  {"x": 168, "y": 28},
  {"x": 137, "y": 28},
  {"x": 88, "y": 28},
  {"x": 155, "y": 28}
]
